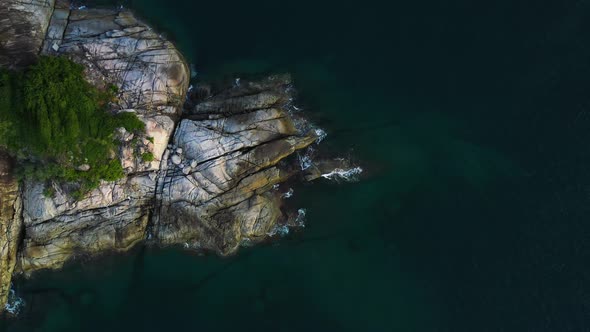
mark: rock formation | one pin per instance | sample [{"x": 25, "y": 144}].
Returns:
[
  {"x": 23, "y": 24},
  {"x": 152, "y": 79},
  {"x": 218, "y": 191},
  {"x": 212, "y": 183},
  {"x": 10, "y": 224}
]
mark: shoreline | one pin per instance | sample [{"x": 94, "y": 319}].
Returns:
[{"x": 212, "y": 185}]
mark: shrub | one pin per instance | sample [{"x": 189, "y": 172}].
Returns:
[
  {"x": 147, "y": 157},
  {"x": 51, "y": 114}
]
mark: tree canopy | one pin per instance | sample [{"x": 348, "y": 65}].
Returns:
[{"x": 57, "y": 121}]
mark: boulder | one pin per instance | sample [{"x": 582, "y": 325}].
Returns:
[
  {"x": 227, "y": 198},
  {"x": 150, "y": 74},
  {"x": 176, "y": 160},
  {"x": 83, "y": 168},
  {"x": 116, "y": 48}
]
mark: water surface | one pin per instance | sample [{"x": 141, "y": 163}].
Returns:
[{"x": 472, "y": 123}]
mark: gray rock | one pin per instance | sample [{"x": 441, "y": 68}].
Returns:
[
  {"x": 83, "y": 168},
  {"x": 10, "y": 224},
  {"x": 111, "y": 217},
  {"x": 23, "y": 25},
  {"x": 228, "y": 197},
  {"x": 176, "y": 160},
  {"x": 236, "y": 145},
  {"x": 117, "y": 49},
  {"x": 150, "y": 73}
]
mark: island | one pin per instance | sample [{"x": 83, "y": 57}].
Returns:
[{"x": 207, "y": 168}]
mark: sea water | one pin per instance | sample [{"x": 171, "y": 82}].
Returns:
[{"x": 470, "y": 121}]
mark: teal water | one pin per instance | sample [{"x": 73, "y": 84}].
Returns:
[{"x": 471, "y": 121}]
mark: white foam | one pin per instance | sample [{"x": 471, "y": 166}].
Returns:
[
  {"x": 305, "y": 160},
  {"x": 321, "y": 134},
  {"x": 281, "y": 230},
  {"x": 348, "y": 175},
  {"x": 300, "y": 220},
  {"x": 288, "y": 194},
  {"x": 14, "y": 304}
]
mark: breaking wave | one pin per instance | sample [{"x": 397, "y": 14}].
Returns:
[
  {"x": 288, "y": 194},
  {"x": 300, "y": 220},
  {"x": 306, "y": 159},
  {"x": 280, "y": 230},
  {"x": 14, "y": 304},
  {"x": 347, "y": 175}
]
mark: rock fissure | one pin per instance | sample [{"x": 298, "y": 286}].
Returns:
[{"x": 216, "y": 161}]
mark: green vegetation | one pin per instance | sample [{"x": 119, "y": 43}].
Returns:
[
  {"x": 147, "y": 157},
  {"x": 53, "y": 118}
]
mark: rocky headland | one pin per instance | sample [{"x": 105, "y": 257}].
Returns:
[{"x": 220, "y": 156}]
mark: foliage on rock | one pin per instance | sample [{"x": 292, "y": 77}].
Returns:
[{"x": 55, "y": 120}]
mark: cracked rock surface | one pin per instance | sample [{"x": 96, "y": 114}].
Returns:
[
  {"x": 22, "y": 29},
  {"x": 10, "y": 224},
  {"x": 149, "y": 72},
  {"x": 217, "y": 163},
  {"x": 152, "y": 79},
  {"x": 238, "y": 148}
]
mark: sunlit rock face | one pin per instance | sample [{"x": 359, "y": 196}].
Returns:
[
  {"x": 23, "y": 24},
  {"x": 111, "y": 217},
  {"x": 228, "y": 154},
  {"x": 218, "y": 161},
  {"x": 152, "y": 80},
  {"x": 149, "y": 72},
  {"x": 10, "y": 224}
]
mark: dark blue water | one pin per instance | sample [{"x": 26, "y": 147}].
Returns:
[{"x": 472, "y": 121}]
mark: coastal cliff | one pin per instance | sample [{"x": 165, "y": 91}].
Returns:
[
  {"x": 10, "y": 223},
  {"x": 219, "y": 156}
]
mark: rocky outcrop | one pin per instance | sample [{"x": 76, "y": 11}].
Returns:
[
  {"x": 152, "y": 80},
  {"x": 10, "y": 224},
  {"x": 23, "y": 24},
  {"x": 111, "y": 218},
  {"x": 218, "y": 188},
  {"x": 215, "y": 189},
  {"x": 149, "y": 72},
  {"x": 214, "y": 186}
]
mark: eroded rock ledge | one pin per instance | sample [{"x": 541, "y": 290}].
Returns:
[
  {"x": 10, "y": 223},
  {"x": 218, "y": 160}
]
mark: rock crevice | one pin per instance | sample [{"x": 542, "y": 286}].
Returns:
[{"x": 218, "y": 158}]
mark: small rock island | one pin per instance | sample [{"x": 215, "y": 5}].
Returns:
[{"x": 209, "y": 172}]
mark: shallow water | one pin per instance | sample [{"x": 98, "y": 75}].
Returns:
[{"x": 471, "y": 121}]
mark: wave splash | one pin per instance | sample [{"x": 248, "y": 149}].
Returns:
[
  {"x": 14, "y": 304},
  {"x": 346, "y": 175}
]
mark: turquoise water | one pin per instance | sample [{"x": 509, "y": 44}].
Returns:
[{"x": 471, "y": 121}]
